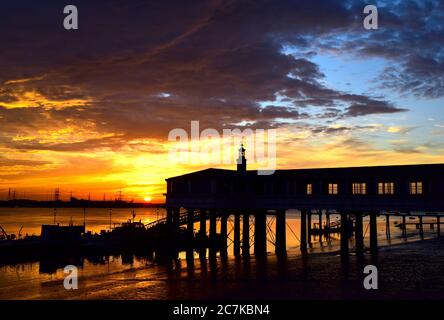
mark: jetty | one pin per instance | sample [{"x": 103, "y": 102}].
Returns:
[{"x": 247, "y": 198}]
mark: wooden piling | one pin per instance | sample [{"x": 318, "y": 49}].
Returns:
[
  {"x": 344, "y": 234},
  {"x": 373, "y": 233},
  {"x": 327, "y": 224},
  {"x": 203, "y": 234},
  {"x": 309, "y": 228},
  {"x": 404, "y": 227},
  {"x": 260, "y": 234},
  {"x": 169, "y": 216},
  {"x": 246, "y": 235},
  {"x": 421, "y": 228},
  {"x": 223, "y": 233},
  {"x": 303, "y": 234},
  {"x": 213, "y": 225},
  {"x": 190, "y": 223},
  {"x": 175, "y": 223},
  {"x": 387, "y": 226},
  {"x": 281, "y": 246},
  {"x": 213, "y": 234},
  {"x": 175, "y": 233},
  {"x": 203, "y": 224},
  {"x": 236, "y": 236},
  {"x": 359, "y": 236}
]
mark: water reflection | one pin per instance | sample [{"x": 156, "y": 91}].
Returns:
[
  {"x": 50, "y": 266},
  {"x": 190, "y": 273},
  {"x": 190, "y": 276}
]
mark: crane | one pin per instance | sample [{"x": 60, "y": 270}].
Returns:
[
  {"x": 20, "y": 232},
  {"x": 3, "y": 234}
]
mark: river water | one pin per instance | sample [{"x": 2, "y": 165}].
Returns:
[{"x": 43, "y": 279}]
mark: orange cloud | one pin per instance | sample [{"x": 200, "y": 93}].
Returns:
[{"x": 34, "y": 99}]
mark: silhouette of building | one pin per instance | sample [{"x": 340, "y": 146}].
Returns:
[{"x": 357, "y": 191}]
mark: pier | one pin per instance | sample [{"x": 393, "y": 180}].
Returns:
[{"x": 247, "y": 199}]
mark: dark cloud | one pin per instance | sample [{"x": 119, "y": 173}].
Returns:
[
  {"x": 353, "y": 145},
  {"x": 412, "y": 37},
  {"x": 338, "y": 130},
  {"x": 356, "y": 110},
  {"x": 407, "y": 150},
  {"x": 148, "y": 66}
]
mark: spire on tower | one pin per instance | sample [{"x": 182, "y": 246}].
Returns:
[{"x": 241, "y": 160}]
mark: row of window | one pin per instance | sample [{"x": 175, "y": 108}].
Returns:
[{"x": 361, "y": 188}]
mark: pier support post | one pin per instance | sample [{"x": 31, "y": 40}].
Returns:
[
  {"x": 281, "y": 246},
  {"x": 303, "y": 234},
  {"x": 320, "y": 226},
  {"x": 176, "y": 226},
  {"x": 175, "y": 233},
  {"x": 246, "y": 235},
  {"x": 359, "y": 233},
  {"x": 236, "y": 236},
  {"x": 373, "y": 233},
  {"x": 189, "y": 257},
  {"x": 203, "y": 224},
  {"x": 260, "y": 233},
  {"x": 344, "y": 234},
  {"x": 190, "y": 223},
  {"x": 309, "y": 228},
  {"x": 169, "y": 216},
  {"x": 213, "y": 224},
  {"x": 327, "y": 224},
  {"x": 438, "y": 225},
  {"x": 421, "y": 228},
  {"x": 190, "y": 233},
  {"x": 223, "y": 233},
  {"x": 404, "y": 227},
  {"x": 387, "y": 226},
  {"x": 202, "y": 234}
]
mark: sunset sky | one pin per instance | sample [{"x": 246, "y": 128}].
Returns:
[{"x": 89, "y": 110}]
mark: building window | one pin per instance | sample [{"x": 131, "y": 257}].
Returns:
[
  {"x": 386, "y": 188},
  {"x": 359, "y": 188},
  {"x": 309, "y": 188},
  {"x": 332, "y": 188},
  {"x": 415, "y": 187}
]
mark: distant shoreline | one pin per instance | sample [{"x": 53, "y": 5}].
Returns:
[{"x": 24, "y": 203}]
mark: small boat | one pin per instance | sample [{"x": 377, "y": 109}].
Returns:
[{"x": 62, "y": 234}]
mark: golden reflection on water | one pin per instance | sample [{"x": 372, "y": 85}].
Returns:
[{"x": 43, "y": 279}]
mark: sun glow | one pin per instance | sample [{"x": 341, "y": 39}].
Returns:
[{"x": 147, "y": 199}]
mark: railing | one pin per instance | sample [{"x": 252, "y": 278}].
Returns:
[
  {"x": 156, "y": 223},
  {"x": 183, "y": 219}
]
